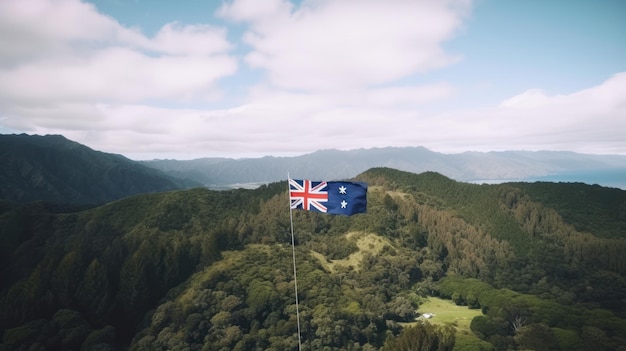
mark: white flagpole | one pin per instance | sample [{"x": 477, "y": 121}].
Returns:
[{"x": 293, "y": 250}]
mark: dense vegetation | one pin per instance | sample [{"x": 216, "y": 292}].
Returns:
[
  {"x": 53, "y": 168},
  {"x": 207, "y": 270}
]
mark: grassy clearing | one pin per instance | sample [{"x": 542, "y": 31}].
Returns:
[
  {"x": 366, "y": 242},
  {"x": 328, "y": 266},
  {"x": 445, "y": 312}
]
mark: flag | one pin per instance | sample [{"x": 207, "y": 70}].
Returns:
[{"x": 346, "y": 198}]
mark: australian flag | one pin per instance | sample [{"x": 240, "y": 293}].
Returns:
[{"x": 346, "y": 198}]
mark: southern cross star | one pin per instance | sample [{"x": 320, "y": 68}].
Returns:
[
  {"x": 344, "y": 204},
  {"x": 342, "y": 190}
]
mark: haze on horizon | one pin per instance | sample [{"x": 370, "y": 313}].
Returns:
[{"x": 244, "y": 78}]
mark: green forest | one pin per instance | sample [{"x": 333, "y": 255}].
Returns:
[{"x": 543, "y": 265}]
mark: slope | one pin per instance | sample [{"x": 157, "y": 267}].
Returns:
[
  {"x": 52, "y": 168},
  {"x": 201, "y": 269}
]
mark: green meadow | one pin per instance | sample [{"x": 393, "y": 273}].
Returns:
[{"x": 445, "y": 312}]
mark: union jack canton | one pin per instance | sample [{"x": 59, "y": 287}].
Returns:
[{"x": 308, "y": 195}]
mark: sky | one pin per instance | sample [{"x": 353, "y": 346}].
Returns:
[{"x": 159, "y": 79}]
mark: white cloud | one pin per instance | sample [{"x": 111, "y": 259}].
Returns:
[
  {"x": 334, "y": 69},
  {"x": 402, "y": 95},
  {"x": 115, "y": 74},
  {"x": 69, "y": 53},
  {"x": 39, "y": 28},
  {"x": 177, "y": 39},
  {"x": 327, "y": 45},
  {"x": 591, "y": 120}
]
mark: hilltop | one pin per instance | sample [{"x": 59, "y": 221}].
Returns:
[
  {"x": 203, "y": 269},
  {"x": 55, "y": 169}
]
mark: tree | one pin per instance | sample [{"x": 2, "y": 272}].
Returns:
[
  {"x": 483, "y": 327},
  {"x": 422, "y": 337},
  {"x": 401, "y": 309},
  {"x": 536, "y": 337}
]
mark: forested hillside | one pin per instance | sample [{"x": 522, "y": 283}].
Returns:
[
  {"x": 53, "y": 168},
  {"x": 207, "y": 270}
]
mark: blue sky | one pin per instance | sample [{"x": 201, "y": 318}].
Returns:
[{"x": 248, "y": 78}]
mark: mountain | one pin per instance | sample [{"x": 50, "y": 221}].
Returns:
[
  {"x": 212, "y": 270},
  {"x": 607, "y": 170},
  {"x": 53, "y": 168}
]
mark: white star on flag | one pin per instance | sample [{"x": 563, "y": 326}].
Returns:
[
  {"x": 344, "y": 204},
  {"x": 342, "y": 189}
]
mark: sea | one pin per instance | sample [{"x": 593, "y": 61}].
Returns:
[{"x": 611, "y": 178}]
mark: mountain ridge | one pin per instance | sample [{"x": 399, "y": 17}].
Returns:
[
  {"x": 469, "y": 166},
  {"x": 53, "y": 168},
  {"x": 56, "y": 169}
]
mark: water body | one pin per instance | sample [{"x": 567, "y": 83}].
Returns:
[{"x": 611, "y": 178}]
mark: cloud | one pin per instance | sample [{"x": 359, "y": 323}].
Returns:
[
  {"x": 329, "y": 45},
  {"x": 403, "y": 95},
  {"x": 590, "y": 120},
  {"x": 39, "y": 28},
  {"x": 114, "y": 74},
  {"x": 64, "y": 51},
  {"x": 275, "y": 122},
  {"x": 340, "y": 74},
  {"x": 177, "y": 39}
]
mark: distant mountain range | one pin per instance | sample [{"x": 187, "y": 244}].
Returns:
[
  {"x": 55, "y": 169},
  {"x": 475, "y": 167}
]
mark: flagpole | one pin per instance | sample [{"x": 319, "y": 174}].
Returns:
[{"x": 295, "y": 275}]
